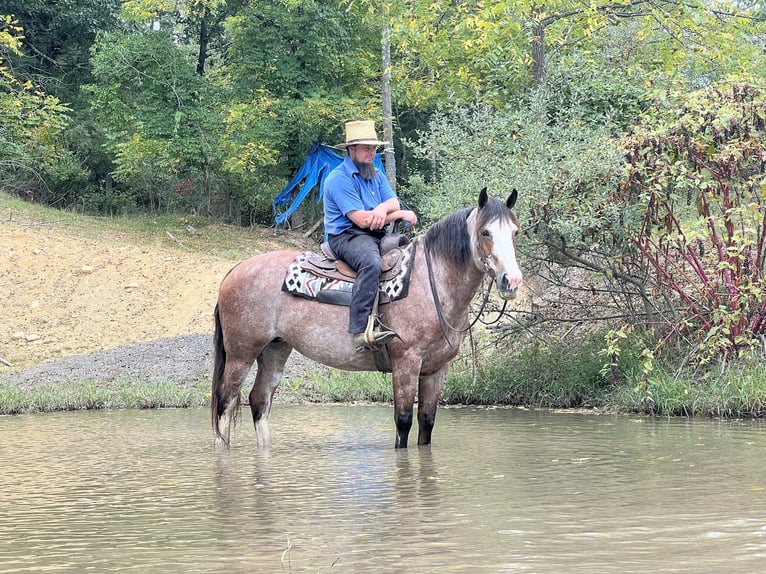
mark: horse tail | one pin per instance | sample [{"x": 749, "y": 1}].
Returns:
[{"x": 217, "y": 400}]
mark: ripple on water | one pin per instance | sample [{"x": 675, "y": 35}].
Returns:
[{"x": 500, "y": 490}]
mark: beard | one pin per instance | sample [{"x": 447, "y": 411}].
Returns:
[{"x": 366, "y": 170}]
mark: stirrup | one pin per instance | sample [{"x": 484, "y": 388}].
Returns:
[
  {"x": 373, "y": 339},
  {"x": 381, "y": 338},
  {"x": 378, "y": 337}
]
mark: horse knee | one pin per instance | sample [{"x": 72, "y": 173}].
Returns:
[{"x": 404, "y": 421}]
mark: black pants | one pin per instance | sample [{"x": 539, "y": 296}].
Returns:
[{"x": 360, "y": 248}]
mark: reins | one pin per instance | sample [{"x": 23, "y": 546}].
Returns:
[
  {"x": 443, "y": 323},
  {"x": 432, "y": 282}
]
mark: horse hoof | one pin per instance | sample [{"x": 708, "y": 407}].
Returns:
[{"x": 221, "y": 444}]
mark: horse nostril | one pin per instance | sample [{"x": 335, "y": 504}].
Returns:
[{"x": 509, "y": 285}]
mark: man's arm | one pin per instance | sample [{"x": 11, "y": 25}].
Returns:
[
  {"x": 375, "y": 218},
  {"x": 404, "y": 215},
  {"x": 395, "y": 212}
]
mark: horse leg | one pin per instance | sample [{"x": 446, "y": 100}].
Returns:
[
  {"x": 271, "y": 364},
  {"x": 429, "y": 391},
  {"x": 404, "y": 399},
  {"x": 227, "y": 400}
]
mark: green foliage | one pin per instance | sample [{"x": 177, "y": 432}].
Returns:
[
  {"x": 297, "y": 71},
  {"x": 737, "y": 391},
  {"x": 159, "y": 117},
  {"x": 563, "y": 170},
  {"x": 91, "y": 395},
  {"x": 340, "y": 386},
  {"x": 452, "y": 51},
  {"x": 294, "y": 71},
  {"x": 225, "y": 143},
  {"x": 58, "y": 35},
  {"x": 607, "y": 81},
  {"x": 297, "y": 50},
  {"x": 281, "y": 74},
  {"x": 697, "y": 167},
  {"x": 542, "y": 376},
  {"x": 30, "y": 132}
]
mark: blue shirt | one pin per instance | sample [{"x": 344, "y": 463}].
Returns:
[{"x": 345, "y": 190}]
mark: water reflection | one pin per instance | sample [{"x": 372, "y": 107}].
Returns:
[{"x": 498, "y": 491}]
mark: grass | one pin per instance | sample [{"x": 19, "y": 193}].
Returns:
[
  {"x": 90, "y": 395},
  {"x": 540, "y": 380},
  {"x": 342, "y": 386},
  {"x": 571, "y": 378},
  {"x": 531, "y": 376},
  {"x": 737, "y": 392},
  {"x": 544, "y": 380},
  {"x": 168, "y": 231}
]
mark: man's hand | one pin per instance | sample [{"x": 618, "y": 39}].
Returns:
[
  {"x": 409, "y": 217},
  {"x": 377, "y": 217},
  {"x": 404, "y": 215}
]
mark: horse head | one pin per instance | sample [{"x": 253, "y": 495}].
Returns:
[{"x": 493, "y": 233}]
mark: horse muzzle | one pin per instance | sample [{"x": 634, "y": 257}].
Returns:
[{"x": 508, "y": 284}]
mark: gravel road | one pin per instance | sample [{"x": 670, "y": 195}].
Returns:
[{"x": 183, "y": 358}]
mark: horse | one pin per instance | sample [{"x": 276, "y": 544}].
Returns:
[{"x": 256, "y": 321}]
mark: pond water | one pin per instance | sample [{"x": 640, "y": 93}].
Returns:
[{"x": 500, "y": 490}]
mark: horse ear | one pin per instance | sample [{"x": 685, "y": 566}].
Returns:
[
  {"x": 483, "y": 198},
  {"x": 512, "y": 199}
]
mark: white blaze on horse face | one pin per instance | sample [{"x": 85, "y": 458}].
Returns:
[{"x": 498, "y": 236}]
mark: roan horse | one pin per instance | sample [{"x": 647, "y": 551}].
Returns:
[{"x": 256, "y": 321}]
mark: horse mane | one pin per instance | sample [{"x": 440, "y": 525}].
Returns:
[{"x": 448, "y": 238}]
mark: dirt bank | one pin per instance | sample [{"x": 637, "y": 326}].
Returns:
[{"x": 66, "y": 293}]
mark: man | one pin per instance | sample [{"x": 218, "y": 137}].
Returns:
[{"x": 358, "y": 204}]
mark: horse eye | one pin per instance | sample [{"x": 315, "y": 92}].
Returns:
[{"x": 485, "y": 233}]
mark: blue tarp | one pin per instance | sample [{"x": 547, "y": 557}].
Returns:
[{"x": 320, "y": 161}]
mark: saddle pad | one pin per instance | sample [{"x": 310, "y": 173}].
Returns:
[{"x": 304, "y": 283}]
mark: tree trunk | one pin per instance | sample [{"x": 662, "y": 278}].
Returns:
[
  {"x": 204, "y": 38},
  {"x": 539, "y": 71},
  {"x": 388, "y": 118},
  {"x": 296, "y": 219}
]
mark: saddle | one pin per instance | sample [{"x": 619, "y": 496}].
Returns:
[
  {"x": 330, "y": 266},
  {"x": 327, "y": 279}
]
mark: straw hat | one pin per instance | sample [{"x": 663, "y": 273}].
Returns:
[{"x": 361, "y": 133}]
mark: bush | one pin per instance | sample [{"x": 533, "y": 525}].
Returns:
[
  {"x": 542, "y": 376},
  {"x": 696, "y": 167}
]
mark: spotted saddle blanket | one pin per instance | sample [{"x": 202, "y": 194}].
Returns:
[{"x": 330, "y": 280}]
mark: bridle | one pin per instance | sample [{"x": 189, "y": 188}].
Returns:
[{"x": 443, "y": 323}]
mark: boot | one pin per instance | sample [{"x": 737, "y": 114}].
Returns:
[
  {"x": 374, "y": 337},
  {"x": 364, "y": 342}
]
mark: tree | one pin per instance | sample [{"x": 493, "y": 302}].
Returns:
[
  {"x": 160, "y": 118},
  {"x": 388, "y": 117},
  {"x": 291, "y": 73},
  {"x": 295, "y": 71},
  {"x": 451, "y": 51},
  {"x": 31, "y": 125},
  {"x": 58, "y": 34},
  {"x": 200, "y": 20}
]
